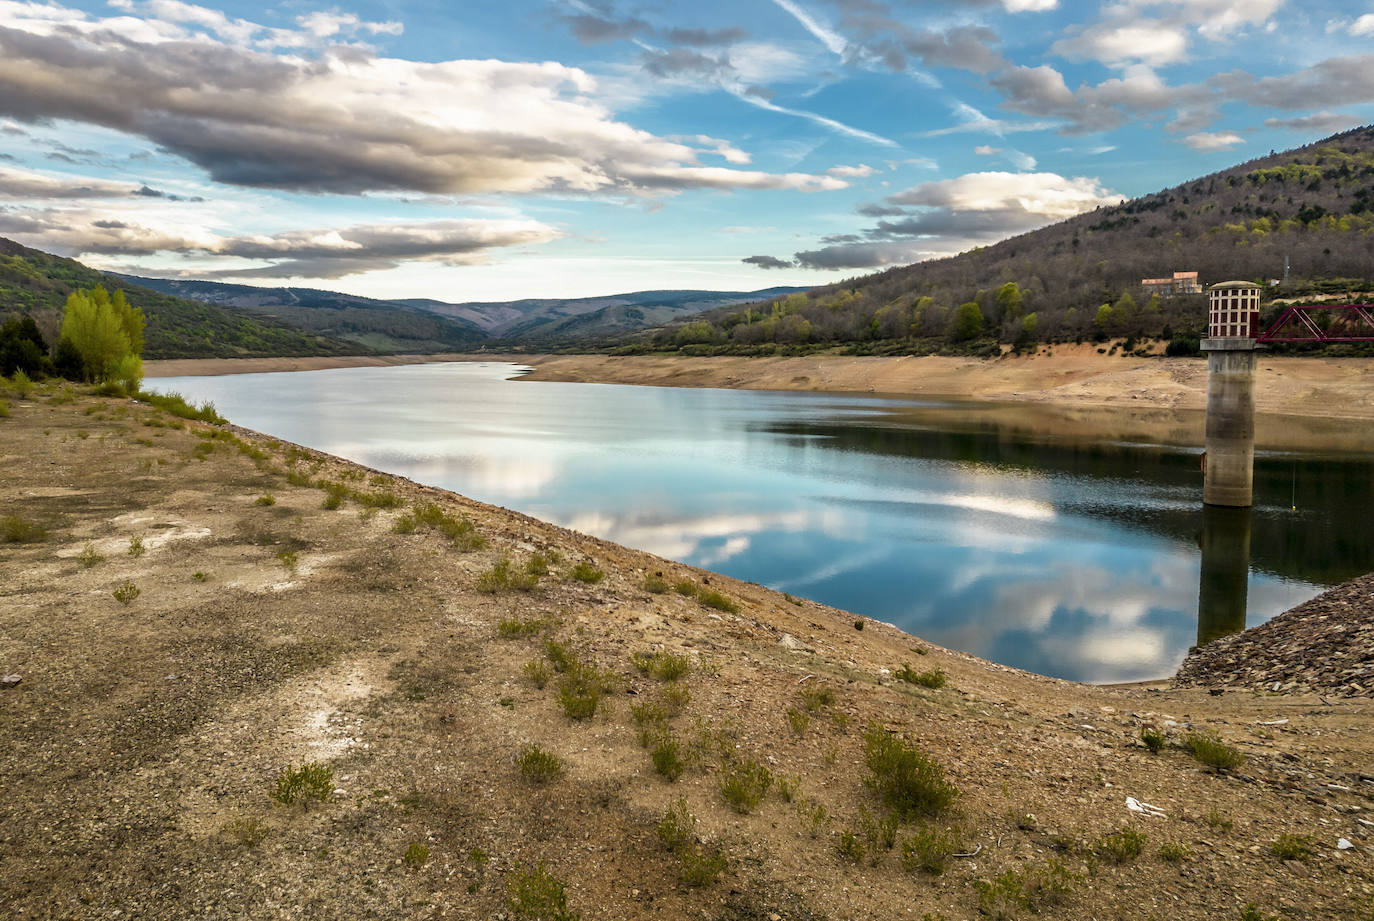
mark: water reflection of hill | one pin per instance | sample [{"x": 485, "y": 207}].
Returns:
[{"x": 1152, "y": 487}]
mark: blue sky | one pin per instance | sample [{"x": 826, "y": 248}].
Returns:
[{"x": 577, "y": 147}]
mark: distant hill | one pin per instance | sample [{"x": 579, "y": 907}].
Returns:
[
  {"x": 35, "y": 282},
  {"x": 372, "y": 325},
  {"x": 1313, "y": 206}
]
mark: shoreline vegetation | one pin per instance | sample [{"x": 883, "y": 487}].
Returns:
[{"x": 238, "y": 671}]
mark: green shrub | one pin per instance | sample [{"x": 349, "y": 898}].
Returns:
[
  {"x": 289, "y": 560},
  {"x": 248, "y": 832},
  {"x": 136, "y": 546},
  {"x": 1153, "y": 739},
  {"x": 405, "y": 524},
  {"x": 562, "y": 658},
  {"x": 1207, "y": 748},
  {"x": 537, "y": 895},
  {"x": 851, "y": 847},
  {"x": 1216, "y": 821},
  {"x": 504, "y": 577},
  {"x": 126, "y": 592},
  {"x": 655, "y": 584},
  {"x": 4, "y": 410},
  {"x": 745, "y": 783},
  {"x": 21, "y": 384},
  {"x": 538, "y": 765},
  {"x": 310, "y": 781},
  {"x": 675, "y": 698},
  {"x": 580, "y": 691},
  {"x": 334, "y": 495},
  {"x": 515, "y": 628},
  {"x": 677, "y": 829},
  {"x": 1251, "y": 912},
  {"x": 537, "y": 565},
  {"x": 1121, "y": 846},
  {"x": 788, "y": 787},
  {"x": 457, "y": 528},
  {"x": 685, "y": 587},
  {"x": 176, "y": 404},
  {"x": 700, "y": 866},
  {"x": 906, "y": 780},
  {"x": 714, "y": 599},
  {"x": 265, "y": 500},
  {"x": 813, "y": 816},
  {"x": 416, "y": 856},
  {"x": 586, "y": 572},
  {"x": 935, "y": 678},
  {"x": 15, "y": 530},
  {"x": 879, "y": 832},
  {"x": 799, "y": 720},
  {"x": 929, "y": 850},
  {"x": 667, "y": 757},
  {"x": 90, "y": 556},
  {"x": 1292, "y": 847},
  {"x": 1173, "y": 852},
  {"x": 661, "y": 664}
]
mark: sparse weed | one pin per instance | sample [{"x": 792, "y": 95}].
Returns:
[
  {"x": 136, "y": 548},
  {"x": 661, "y": 664},
  {"x": 4, "y": 410},
  {"x": 265, "y": 500},
  {"x": 813, "y": 816},
  {"x": 675, "y": 698},
  {"x": 538, "y": 765},
  {"x": 334, "y": 495},
  {"x": 416, "y": 856},
  {"x": 515, "y": 628},
  {"x": 457, "y": 528},
  {"x": 537, "y": 673},
  {"x": 700, "y": 866},
  {"x": 248, "y": 832},
  {"x": 126, "y": 592},
  {"x": 405, "y": 524},
  {"x": 1037, "y": 886},
  {"x": 1173, "y": 852},
  {"x": 815, "y": 697},
  {"x": 851, "y": 847},
  {"x": 799, "y": 720},
  {"x": 379, "y": 499},
  {"x": 176, "y": 404},
  {"x": 537, "y": 895},
  {"x": 1216, "y": 821},
  {"x": 20, "y": 384},
  {"x": 586, "y": 572},
  {"x": 677, "y": 829},
  {"x": 655, "y": 584},
  {"x": 906, "y": 780},
  {"x": 1292, "y": 847},
  {"x": 934, "y": 678},
  {"x": 685, "y": 587},
  {"x": 16, "y": 530},
  {"x": 788, "y": 787},
  {"x": 504, "y": 577},
  {"x": 714, "y": 599},
  {"x": 580, "y": 690},
  {"x": 1153, "y": 739},
  {"x": 310, "y": 781},
  {"x": 879, "y": 832},
  {"x": 90, "y": 556},
  {"x": 1120, "y": 846},
  {"x": 1207, "y": 748},
  {"x": 651, "y": 718},
  {"x": 929, "y": 850},
  {"x": 537, "y": 565},
  {"x": 289, "y": 560},
  {"x": 790, "y": 600},
  {"x": 1251, "y": 912},
  {"x": 560, "y": 656},
  {"x": 667, "y": 757},
  {"x": 200, "y": 576},
  {"x": 745, "y": 783}
]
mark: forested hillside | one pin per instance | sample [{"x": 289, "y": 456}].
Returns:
[
  {"x": 372, "y": 325},
  {"x": 1081, "y": 278},
  {"x": 37, "y": 283}
]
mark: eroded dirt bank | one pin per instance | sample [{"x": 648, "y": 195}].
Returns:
[{"x": 327, "y": 624}]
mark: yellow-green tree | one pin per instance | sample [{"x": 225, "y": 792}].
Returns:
[{"x": 105, "y": 330}]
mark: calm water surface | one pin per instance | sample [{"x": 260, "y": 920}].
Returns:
[{"x": 1031, "y": 544}]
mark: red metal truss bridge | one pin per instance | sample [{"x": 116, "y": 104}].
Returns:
[{"x": 1322, "y": 323}]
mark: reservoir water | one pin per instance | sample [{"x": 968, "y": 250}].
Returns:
[{"x": 1060, "y": 542}]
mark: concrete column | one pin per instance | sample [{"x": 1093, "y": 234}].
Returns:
[
  {"x": 1230, "y": 422},
  {"x": 1223, "y": 585}
]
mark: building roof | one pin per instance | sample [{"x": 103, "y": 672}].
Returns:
[{"x": 1233, "y": 284}]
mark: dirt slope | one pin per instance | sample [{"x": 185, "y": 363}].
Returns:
[{"x": 141, "y": 742}]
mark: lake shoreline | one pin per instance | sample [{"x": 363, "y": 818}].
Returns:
[
  {"x": 1068, "y": 376},
  {"x": 191, "y": 614}
]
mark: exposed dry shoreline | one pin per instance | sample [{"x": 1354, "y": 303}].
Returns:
[
  {"x": 138, "y": 748},
  {"x": 1063, "y": 376}
]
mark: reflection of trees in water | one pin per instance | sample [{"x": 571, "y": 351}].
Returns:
[
  {"x": 1224, "y": 581},
  {"x": 1326, "y": 541}
]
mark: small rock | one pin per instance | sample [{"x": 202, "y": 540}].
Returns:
[
  {"x": 10, "y": 681},
  {"x": 1344, "y": 844}
]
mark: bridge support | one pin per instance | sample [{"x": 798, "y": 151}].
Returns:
[{"x": 1230, "y": 458}]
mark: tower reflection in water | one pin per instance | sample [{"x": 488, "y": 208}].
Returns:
[{"x": 1224, "y": 583}]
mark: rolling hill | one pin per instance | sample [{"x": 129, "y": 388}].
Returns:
[
  {"x": 35, "y": 282},
  {"x": 1311, "y": 208}
]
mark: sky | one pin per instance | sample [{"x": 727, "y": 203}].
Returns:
[{"x": 567, "y": 148}]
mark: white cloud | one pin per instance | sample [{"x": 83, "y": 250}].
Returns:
[
  {"x": 1046, "y": 195},
  {"x": 1029, "y": 6},
  {"x": 852, "y": 172},
  {"x": 1154, "y": 42},
  {"x": 1208, "y": 141},
  {"x": 983, "y": 150},
  {"x": 828, "y": 37},
  {"x": 1362, "y": 26}
]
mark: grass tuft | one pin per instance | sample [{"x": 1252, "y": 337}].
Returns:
[
  {"x": 580, "y": 690},
  {"x": 176, "y": 404},
  {"x": 504, "y": 577},
  {"x": 1292, "y": 847},
  {"x": 537, "y": 895},
  {"x": 667, "y": 757},
  {"x": 416, "y": 856},
  {"x": 90, "y": 556},
  {"x": 714, "y": 599},
  {"x": 537, "y": 673},
  {"x": 929, "y": 850},
  {"x": 586, "y": 572},
  {"x": 655, "y": 584},
  {"x": 935, "y": 678},
  {"x": 126, "y": 592},
  {"x": 539, "y": 766},
  {"x": 1033, "y": 888},
  {"x": 310, "y": 781},
  {"x": 1173, "y": 852},
  {"x": 16, "y": 530},
  {"x": 1121, "y": 846},
  {"x": 1153, "y": 739}
]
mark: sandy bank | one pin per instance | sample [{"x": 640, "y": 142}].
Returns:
[{"x": 1063, "y": 376}]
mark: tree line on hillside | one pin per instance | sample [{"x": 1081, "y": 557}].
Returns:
[{"x": 1311, "y": 210}]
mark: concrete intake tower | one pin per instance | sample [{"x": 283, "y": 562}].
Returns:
[{"x": 1232, "y": 326}]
